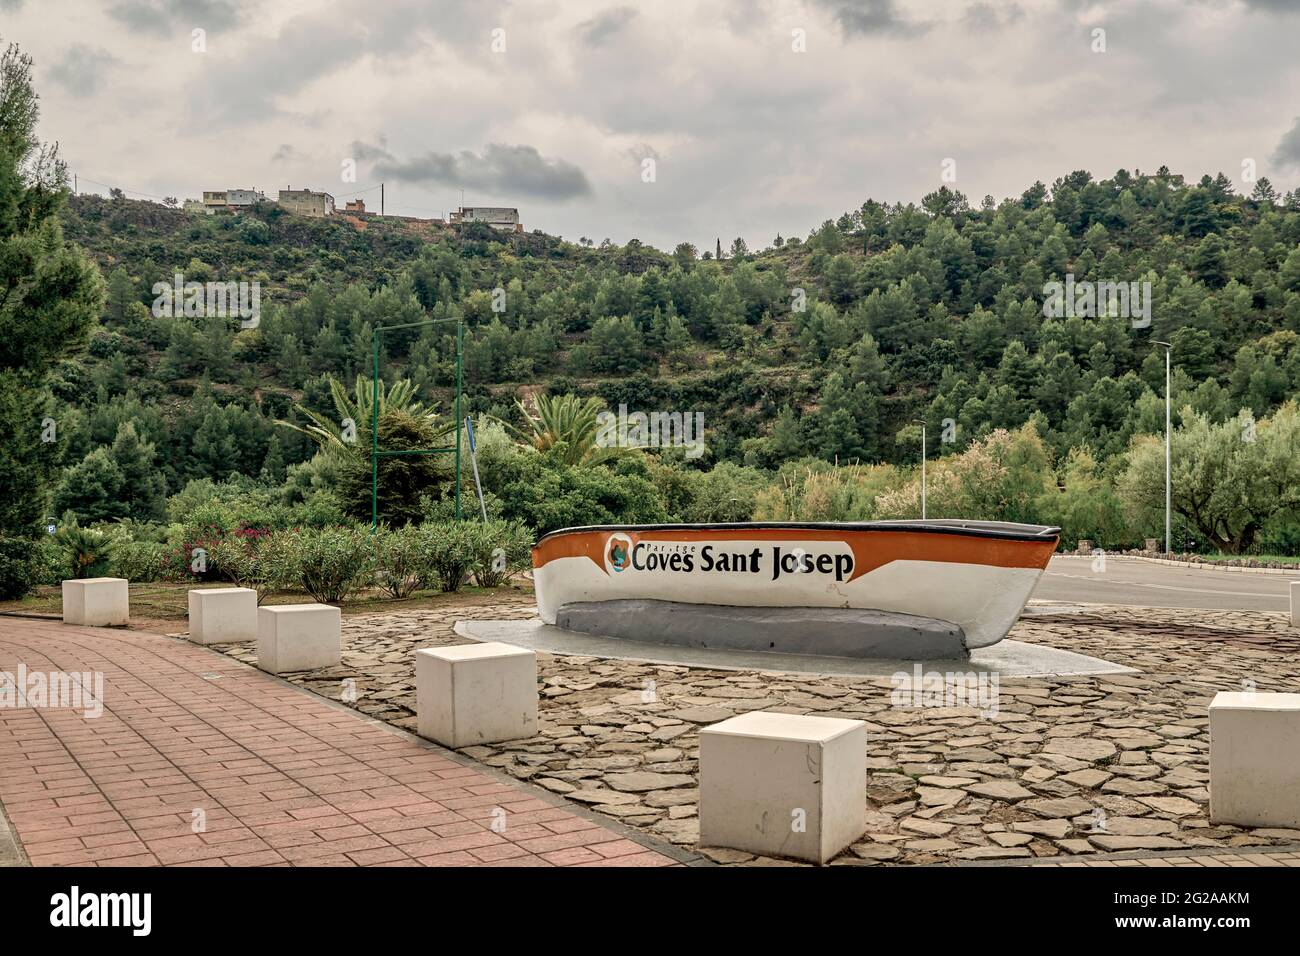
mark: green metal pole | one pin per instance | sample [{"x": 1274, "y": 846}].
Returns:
[
  {"x": 460, "y": 344},
  {"x": 374, "y": 434}
]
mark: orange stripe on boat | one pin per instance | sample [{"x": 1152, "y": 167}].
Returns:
[{"x": 871, "y": 549}]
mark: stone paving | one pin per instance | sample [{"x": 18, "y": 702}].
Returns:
[
  {"x": 1289, "y": 857},
  {"x": 1067, "y": 768},
  {"x": 199, "y": 761}
]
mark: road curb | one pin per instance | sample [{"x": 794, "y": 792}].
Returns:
[{"x": 1191, "y": 565}]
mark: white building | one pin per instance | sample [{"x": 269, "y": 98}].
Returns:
[
  {"x": 498, "y": 217},
  {"x": 243, "y": 198},
  {"x": 307, "y": 202},
  {"x": 230, "y": 199}
]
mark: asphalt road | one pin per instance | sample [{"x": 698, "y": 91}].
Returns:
[{"x": 1144, "y": 584}]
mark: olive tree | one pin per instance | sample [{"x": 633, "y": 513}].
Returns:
[{"x": 1228, "y": 480}]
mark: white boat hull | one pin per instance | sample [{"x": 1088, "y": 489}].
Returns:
[{"x": 977, "y": 575}]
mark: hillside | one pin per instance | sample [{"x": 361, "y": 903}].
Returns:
[{"x": 931, "y": 311}]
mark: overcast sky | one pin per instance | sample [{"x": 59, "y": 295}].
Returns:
[{"x": 553, "y": 106}]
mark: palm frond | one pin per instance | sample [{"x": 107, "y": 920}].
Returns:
[
  {"x": 564, "y": 419},
  {"x": 358, "y": 408}
]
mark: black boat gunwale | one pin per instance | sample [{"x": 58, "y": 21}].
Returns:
[{"x": 997, "y": 530}]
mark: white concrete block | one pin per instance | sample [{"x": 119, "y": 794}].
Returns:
[
  {"x": 783, "y": 784},
  {"x": 298, "y": 637},
  {"x": 223, "y": 615},
  {"x": 476, "y": 693},
  {"x": 1295, "y": 603},
  {"x": 1255, "y": 759},
  {"x": 96, "y": 602}
]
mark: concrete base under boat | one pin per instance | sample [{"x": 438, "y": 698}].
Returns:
[
  {"x": 1007, "y": 658},
  {"x": 816, "y": 631}
]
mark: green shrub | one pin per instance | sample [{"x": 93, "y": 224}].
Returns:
[
  {"x": 209, "y": 520},
  {"x": 139, "y": 560},
  {"x": 205, "y": 508},
  {"x": 402, "y": 564},
  {"x": 328, "y": 563},
  {"x": 727, "y": 493},
  {"x": 17, "y": 567},
  {"x": 47, "y": 561},
  {"x": 502, "y": 548},
  {"x": 439, "y": 510},
  {"x": 547, "y": 495},
  {"x": 1280, "y": 537},
  {"x": 129, "y": 529},
  {"x": 451, "y": 548},
  {"x": 321, "y": 510},
  {"x": 262, "y": 561}
]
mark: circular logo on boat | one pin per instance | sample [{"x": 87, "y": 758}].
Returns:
[{"x": 618, "y": 552}]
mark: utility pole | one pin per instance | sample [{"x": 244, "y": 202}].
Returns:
[
  {"x": 473, "y": 457},
  {"x": 1168, "y": 487},
  {"x": 917, "y": 421},
  {"x": 381, "y": 199}
]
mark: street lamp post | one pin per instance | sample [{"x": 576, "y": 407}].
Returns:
[
  {"x": 1168, "y": 495},
  {"x": 917, "y": 421}
]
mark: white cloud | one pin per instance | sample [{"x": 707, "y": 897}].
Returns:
[{"x": 751, "y": 137}]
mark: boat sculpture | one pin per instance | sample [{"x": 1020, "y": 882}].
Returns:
[{"x": 906, "y": 589}]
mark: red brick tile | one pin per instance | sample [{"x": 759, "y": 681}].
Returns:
[
  {"x": 571, "y": 856},
  {"x": 284, "y": 778}
]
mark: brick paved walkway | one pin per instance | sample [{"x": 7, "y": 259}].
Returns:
[{"x": 282, "y": 776}]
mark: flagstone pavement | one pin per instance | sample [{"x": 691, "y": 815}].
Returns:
[{"x": 1105, "y": 768}]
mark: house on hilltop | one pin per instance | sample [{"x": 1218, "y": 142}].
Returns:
[
  {"x": 231, "y": 200},
  {"x": 498, "y": 217},
  {"x": 307, "y": 202}
]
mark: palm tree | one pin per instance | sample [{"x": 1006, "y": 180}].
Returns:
[
  {"x": 405, "y": 425},
  {"x": 564, "y": 420},
  {"x": 358, "y": 408}
]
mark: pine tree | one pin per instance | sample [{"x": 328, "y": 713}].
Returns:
[
  {"x": 273, "y": 466},
  {"x": 143, "y": 486},
  {"x": 787, "y": 435},
  {"x": 728, "y": 316},
  {"x": 657, "y": 331},
  {"x": 676, "y": 336},
  {"x": 1264, "y": 192},
  {"x": 52, "y": 296},
  {"x": 92, "y": 489},
  {"x": 122, "y": 296}
]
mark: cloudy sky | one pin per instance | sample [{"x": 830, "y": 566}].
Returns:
[{"x": 760, "y": 116}]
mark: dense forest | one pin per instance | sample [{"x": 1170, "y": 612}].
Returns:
[
  {"x": 811, "y": 353},
  {"x": 932, "y": 311}
]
